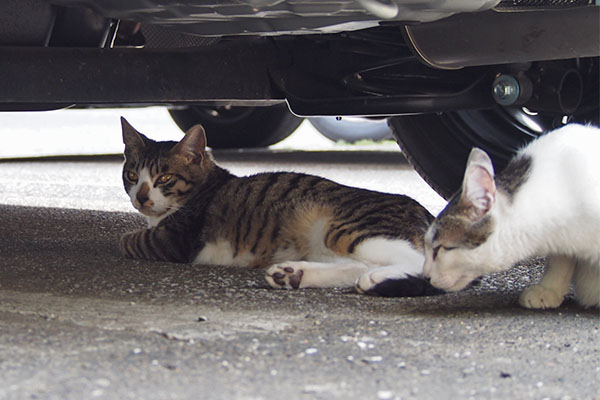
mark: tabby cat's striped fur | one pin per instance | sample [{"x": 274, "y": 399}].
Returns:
[{"x": 309, "y": 230}]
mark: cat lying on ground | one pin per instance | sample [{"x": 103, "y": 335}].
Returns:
[
  {"x": 308, "y": 231},
  {"x": 545, "y": 203}
]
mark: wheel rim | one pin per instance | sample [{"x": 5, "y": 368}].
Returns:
[
  {"x": 501, "y": 131},
  {"x": 438, "y": 144}
]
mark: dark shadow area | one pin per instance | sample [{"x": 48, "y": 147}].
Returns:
[{"x": 80, "y": 321}]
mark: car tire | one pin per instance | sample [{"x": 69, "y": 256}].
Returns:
[
  {"x": 351, "y": 129},
  {"x": 238, "y": 127},
  {"x": 437, "y": 145}
]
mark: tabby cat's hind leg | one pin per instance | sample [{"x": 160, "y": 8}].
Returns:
[{"x": 304, "y": 274}]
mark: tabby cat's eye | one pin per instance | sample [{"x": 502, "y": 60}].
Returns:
[
  {"x": 132, "y": 176},
  {"x": 165, "y": 178}
]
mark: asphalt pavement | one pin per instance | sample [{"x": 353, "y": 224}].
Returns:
[{"x": 79, "y": 321}]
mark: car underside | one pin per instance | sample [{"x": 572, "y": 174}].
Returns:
[{"x": 448, "y": 75}]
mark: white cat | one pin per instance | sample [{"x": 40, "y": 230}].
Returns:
[{"x": 545, "y": 203}]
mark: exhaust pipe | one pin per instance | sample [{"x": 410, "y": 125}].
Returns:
[{"x": 491, "y": 37}]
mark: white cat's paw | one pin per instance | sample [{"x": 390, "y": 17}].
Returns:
[
  {"x": 284, "y": 276},
  {"x": 538, "y": 296}
]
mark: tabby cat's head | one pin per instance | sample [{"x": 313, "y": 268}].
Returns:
[
  {"x": 457, "y": 246},
  {"x": 159, "y": 177}
]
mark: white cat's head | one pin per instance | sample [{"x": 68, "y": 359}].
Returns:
[
  {"x": 160, "y": 176},
  {"x": 456, "y": 247}
]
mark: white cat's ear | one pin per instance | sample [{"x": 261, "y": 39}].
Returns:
[
  {"x": 479, "y": 188},
  {"x": 193, "y": 146},
  {"x": 131, "y": 137}
]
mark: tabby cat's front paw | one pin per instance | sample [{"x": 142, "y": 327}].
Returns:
[
  {"x": 538, "y": 296},
  {"x": 126, "y": 244},
  {"x": 284, "y": 276},
  {"x": 130, "y": 245}
]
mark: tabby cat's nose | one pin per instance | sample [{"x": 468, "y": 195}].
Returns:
[
  {"x": 142, "y": 195},
  {"x": 144, "y": 202}
]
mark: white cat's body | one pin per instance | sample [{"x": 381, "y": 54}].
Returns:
[
  {"x": 557, "y": 211},
  {"x": 554, "y": 212}
]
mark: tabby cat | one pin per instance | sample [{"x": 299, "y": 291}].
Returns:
[
  {"x": 545, "y": 203},
  {"x": 308, "y": 231}
]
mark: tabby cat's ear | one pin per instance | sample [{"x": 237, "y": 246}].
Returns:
[
  {"x": 479, "y": 188},
  {"x": 193, "y": 146},
  {"x": 133, "y": 139}
]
